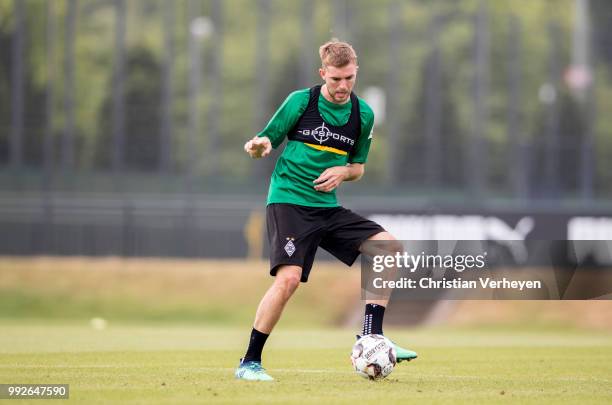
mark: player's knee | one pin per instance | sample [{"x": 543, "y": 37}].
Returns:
[
  {"x": 293, "y": 283},
  {"x": 394, "y": 246},
  {"x": 390, "y": 244},
  {"x": 288, "y": 285},
  {"x": 288, "y": 281}
]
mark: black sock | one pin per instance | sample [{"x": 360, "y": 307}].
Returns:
[
  {"x": 373, "y": 319},
  {"x": 256, "y": 344}
]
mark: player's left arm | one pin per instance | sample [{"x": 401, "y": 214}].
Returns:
[{"x": 331, "y": 178}]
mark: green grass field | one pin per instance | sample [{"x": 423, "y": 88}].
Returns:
[
  {"x": 157, "y": 363},
  {"x": 176, "y": 330}
]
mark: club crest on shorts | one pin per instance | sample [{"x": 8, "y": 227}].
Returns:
[{"x": 290, "y": 247}]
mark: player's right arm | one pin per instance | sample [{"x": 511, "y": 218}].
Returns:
[
  {"x": 279, "y": 126},
  {"x": 258, "y": 147}
]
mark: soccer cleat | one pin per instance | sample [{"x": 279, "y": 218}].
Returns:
[
  {"x": 251, "y": 371},
  {"x": 401, "y": 354}
]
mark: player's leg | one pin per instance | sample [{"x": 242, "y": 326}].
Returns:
[
  {"x": 273, "y": 302},
  {"x": 375, "y": 308},
  {"x": 346, "y": 237},
  {"x": 268, "y": 313},
  {"x": 294, "y": 233}
]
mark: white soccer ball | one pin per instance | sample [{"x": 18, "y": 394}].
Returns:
[{"x": 373, "y": 357}]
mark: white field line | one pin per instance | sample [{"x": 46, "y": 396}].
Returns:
[{"x": 302, "y": 370}]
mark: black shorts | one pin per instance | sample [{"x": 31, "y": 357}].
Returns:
[{"x": 295, "y": 232}]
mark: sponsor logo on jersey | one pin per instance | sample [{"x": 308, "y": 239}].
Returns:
[{"x": 322, "y": 134}]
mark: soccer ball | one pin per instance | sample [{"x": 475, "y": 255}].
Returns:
[{"x": 373, "y": 357}]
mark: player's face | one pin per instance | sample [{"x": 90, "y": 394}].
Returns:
[{"x": 339, "y": 81}]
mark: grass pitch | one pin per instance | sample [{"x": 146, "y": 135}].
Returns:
[{"x": 170, "y": 363}]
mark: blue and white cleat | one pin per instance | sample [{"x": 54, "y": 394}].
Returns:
[
  {"x": 252, "y": 371},
  {"x": 401, "y": 354}
]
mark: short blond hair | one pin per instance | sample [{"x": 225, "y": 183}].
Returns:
[{"x": 337, "y": 53}]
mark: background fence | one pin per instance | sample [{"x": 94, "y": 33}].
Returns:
[{"x": 114, "y": 111}]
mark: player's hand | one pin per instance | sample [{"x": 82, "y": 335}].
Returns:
[
  {"x": 258, "y": 147},
  {"x": 331, "y": 178}
]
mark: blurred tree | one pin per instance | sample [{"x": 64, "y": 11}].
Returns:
[
  {"x": 142, "y": 92},
  {"x": 566, "y": 149},
  {"x": 33, "y": 94},
  {"x": 601, "y": 14},
  {"x": 259, "y": 58},
  {"x": 5, "y": 94},
  {"x": 413, "y": 154}
]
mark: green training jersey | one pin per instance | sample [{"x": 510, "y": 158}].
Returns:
[{"x": 301, "y": 163}]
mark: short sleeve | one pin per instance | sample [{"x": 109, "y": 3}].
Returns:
[{"x": 286, "y": 117}]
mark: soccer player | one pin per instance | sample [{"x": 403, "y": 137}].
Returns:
[{"x": 329, "y": 131}]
